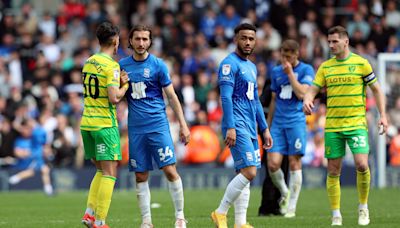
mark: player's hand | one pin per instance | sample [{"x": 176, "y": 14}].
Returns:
[
  {"x": 267, "y": 139},
  {"x": 184, "y": 134},
  {"x": 287, "y": 67},
  {"x": 382, "y": 125},
  {"x": 230, "y": 139},
  {"x": 124, "y": 78},
  {"x": 308, "y": 106}
]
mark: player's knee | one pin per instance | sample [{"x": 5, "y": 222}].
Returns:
[
  {"x": 273, "y": 166},
  {"x": 250, "y": 174},
  {"x": 170, "y": 173},
  {"x": 45, "y": 169},
  {"x": 141, "y": 177},
  {"x": 362, "y": 166}
]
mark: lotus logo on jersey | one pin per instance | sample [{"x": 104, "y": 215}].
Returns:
[
  {"x": 352, "y": 68},
  {"x": 146, "y": 72}
]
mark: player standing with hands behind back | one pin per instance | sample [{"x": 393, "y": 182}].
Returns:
[
  {"x": 148, "y": 127},
  {"x": 289, "y": 83},
  {"x": 345, "y": 77},
  {"x": 242, "y": 111},
  {"x": 103, "y": 87}
]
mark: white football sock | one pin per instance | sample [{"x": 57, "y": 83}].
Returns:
[
  {"x": 48, "y": 189},
  {"x": 176, "y": 190},
  {"x": 336, "y": 213},
  {"x": 99, "y": 222},
  {"x": 89, "y": 211},
  {"x": 241, "y": 204},
  {"x": 362, "y": 206},
  {"x": 296, "y": 179},
  {"x": 232, "y": 192},
  {"x": 143, "y": 196},
  {"x": 278, "y": 179},
  {"x": 14, "y": 179}
]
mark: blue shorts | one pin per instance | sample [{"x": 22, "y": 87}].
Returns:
[
  {"x": 289, "y": 141},
  {"x": 30, "y": 163},
  {"x": 246, "y": 152},
  {"x": 144, "y": 147}
]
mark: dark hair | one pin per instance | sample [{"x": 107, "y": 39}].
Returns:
[
  {"x": 105, "y": 33},
  {"x": 339, "y": 30},
  {"x": 290, "y": 46},
  {"x": 139, "y": 28},
  {"x": 245, "y": 26}
]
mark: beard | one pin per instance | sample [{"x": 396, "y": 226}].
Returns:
[{"x": 244, "y": 52}]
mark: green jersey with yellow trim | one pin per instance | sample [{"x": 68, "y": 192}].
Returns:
[
  {"x": 345, "y": 81},
  {"x": 99, "y": 72}
]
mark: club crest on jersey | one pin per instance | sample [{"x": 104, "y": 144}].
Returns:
[
  {"x": 352, "y": 68},
  {"x": 146, "y": 72},
  {"x": 226, "y": 69}
]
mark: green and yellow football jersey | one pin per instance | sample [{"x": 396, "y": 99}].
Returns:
[
  {"x": 99, "y": 72},
  {"x": 345, "y": 81}
]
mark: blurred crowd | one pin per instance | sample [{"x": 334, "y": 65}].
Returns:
[{"x": 44, "y": 44}]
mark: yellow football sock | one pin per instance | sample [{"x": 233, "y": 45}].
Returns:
[
  {"x": 94, "y": 188},
  {"x": 363, "y": 183},
  {"x": 333, "y": 188},
  {"x": 104, "y": 196}
]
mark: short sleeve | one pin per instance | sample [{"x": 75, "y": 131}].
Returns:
[
  {"x": 308, "y": 75},
  {"x": 164, "y": 76},
  {"x": 368, "y": 74},
  {"x": 113, "y": 76},
  {"x": 319, "y": 79}
]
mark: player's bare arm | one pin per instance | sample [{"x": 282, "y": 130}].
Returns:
[
  {"x": 308, "y": 101},
  {"x": 115, "y": 94},
  {"x": 380, "y": 101},
  {"x": 298, "y": 88},
  {"x": 267, "y": 139},
  {"x": 230, "y": 139},
  {"x": 184, "y": 132}
]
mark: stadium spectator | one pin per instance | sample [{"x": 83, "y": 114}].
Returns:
[
  {"x": 29, "y": 152},
  {"x": 346, "y": 118},
  {"x": 148, "y": 126},
  {"x": 242, "y": 111}
]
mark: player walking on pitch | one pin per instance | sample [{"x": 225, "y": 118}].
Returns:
[
  {"x": 242, "y": 111},
  {"x": 345, "y": 77}
]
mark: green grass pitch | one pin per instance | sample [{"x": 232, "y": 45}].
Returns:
[{"x": 34, "y": 209}]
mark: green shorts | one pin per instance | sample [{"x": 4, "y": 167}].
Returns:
[
  {"x": 335, "y": 143},
  {"x": 104, "y": 144}
]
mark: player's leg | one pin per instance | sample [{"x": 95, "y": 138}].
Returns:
[
  {"x": 242, "y": 202},
  {"x": 245, "y": 162},
  {"x": 89, "y": 148},
  {"x": 358, "y": 143},
  {"x": 108, "y": 153},
  {"x": 163, "y": 152},
  {"x": 45, "y": 171},
  {"x": 140, "y": 162},
  {"x": 297, "y": 143},
  {"x": 334, "y": 151},
  {"x": 275, "y": 156},
  {"x": 18, "y": 177}
]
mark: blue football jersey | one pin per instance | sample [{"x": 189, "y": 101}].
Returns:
[
  {"x": 288, "y": 108},
  {"x": 241, "y": 74},
  {"x": 145, "y": 96}
]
